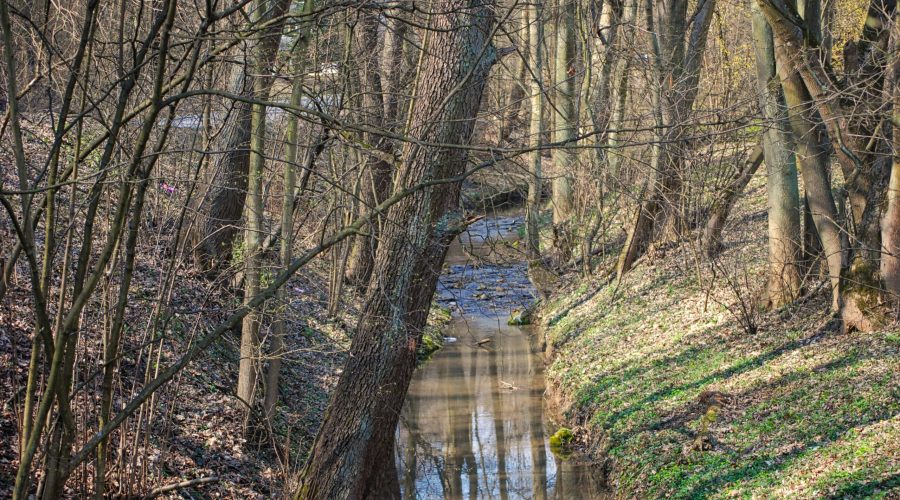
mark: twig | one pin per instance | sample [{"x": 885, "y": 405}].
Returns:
[{"x": 183, "y": 484}]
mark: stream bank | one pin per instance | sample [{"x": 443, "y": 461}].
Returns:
[{"x": 695, "y": 406}]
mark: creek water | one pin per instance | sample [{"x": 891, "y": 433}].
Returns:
[{"x": 473, "y": 425}]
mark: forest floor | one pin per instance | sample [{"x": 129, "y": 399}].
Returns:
[
  {"x": 197, "y": 421},
  {"x": 663, "y": 378},
  {"x": 197, "y": 430}
]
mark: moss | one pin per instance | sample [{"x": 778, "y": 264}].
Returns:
[
  {"x": 519, "y": 318},
  {"x": 561, "y": 442},
  {"x": 433, "y": 335},
  {"x": 864, "y": 308}
]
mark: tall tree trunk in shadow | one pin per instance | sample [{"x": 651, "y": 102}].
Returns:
[
  {"x": 677, "y": 59},
  {"x": 220, "y": 209},
  {"x": 376, "y": 182},
  {"x": 393, "y": 68},
  {"x": 298, "y": 53},
  {"x": 783, "y": 194},
  {"x": 356, "y": 439},
  {"x": 262, "y": 57}
]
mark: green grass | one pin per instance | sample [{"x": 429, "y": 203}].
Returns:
[{"x": 808, "y": 411}]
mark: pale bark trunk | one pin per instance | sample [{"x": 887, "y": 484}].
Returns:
[
  {"x": 262, "y": 56},
  {"x": 535, "y": 130},
  {"x": 782, "y": 191},
  {"x": 812, "y": 155},
  {"x": 564, "y": 126},
  {"x": 352, "y": 454}
]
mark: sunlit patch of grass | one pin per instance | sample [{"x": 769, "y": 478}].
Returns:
[{"x": 808, "y": 411}]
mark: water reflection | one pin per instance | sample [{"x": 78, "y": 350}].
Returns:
[{"x": 473, "y": 424}]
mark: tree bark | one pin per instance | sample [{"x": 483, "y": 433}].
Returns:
[
  {"x": 812, "y": 155},
  {"x": 677, "y": 59},
  {"x": 782, "y": 192},
  {"x": 220, "y": 210},
  {"x": 535, "y": 131},
  {"x": 273, "y": 374},
  {"x": 564, "y": 126},
  {"x": 845, "y": 109},
  {"x": 377, "y": 177},
  {"x": 353, "y": 451},
  {"x": 260, "y": 60},
  {"x": 890, "y": 224}
]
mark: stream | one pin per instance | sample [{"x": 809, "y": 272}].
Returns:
[{"x": 473, "y": 425}]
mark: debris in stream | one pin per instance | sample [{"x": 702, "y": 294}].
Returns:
[{"x": 508, "y": 386}]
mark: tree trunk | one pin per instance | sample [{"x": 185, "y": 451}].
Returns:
[
  {"x": 519, "y": 78},
  {"x": 812, "y": 155},
  {"x": 220, "y": 210},
  {"x": 292, "y": 138},
  {"x": 377, "y": 178},
  {"x": 393, "y": 69},
  {"x": 535, "y": 130},
  {"x": 784, "y": 275},
  {"x": 711, "y": 240},
  {"x": 564, "y": 126},
  {"x": 262, "y": 57},
  {"x": 677, "y": 57},
  {"x": 890, "y": 224},
  {"x": 352, "y": 454}
]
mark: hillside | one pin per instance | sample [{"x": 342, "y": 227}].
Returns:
[{"x": 666, "y": 385}]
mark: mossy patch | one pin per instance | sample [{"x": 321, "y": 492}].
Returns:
[{"x": 561, "y": 442}]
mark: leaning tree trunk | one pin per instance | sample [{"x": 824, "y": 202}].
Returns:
[
  {"x": 220, "y": 209},
  {"x": 784, "y": 276},
  {"x": 711, "y": 239},
  {"x": 352, "y": 455}
]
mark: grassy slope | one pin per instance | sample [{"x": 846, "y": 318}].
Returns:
[{"x": 808, "y": 411}]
